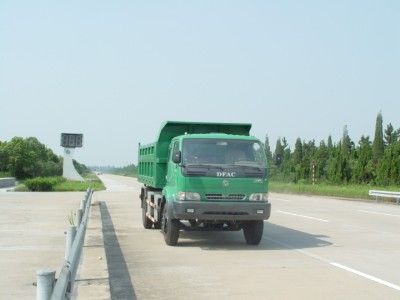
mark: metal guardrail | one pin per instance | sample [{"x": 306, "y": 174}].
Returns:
[
  {"x": 385, "y": 194},
  {"x": 47, "y": 286}
]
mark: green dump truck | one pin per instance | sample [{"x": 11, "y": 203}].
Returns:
[{"x": 204, "y": 176}]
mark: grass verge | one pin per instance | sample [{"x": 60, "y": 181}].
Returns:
[
  {"x": 59, "y": 184},
  {"x": 21, "y": 188},
  {"x": 79, "y": 186},
  {"x": 5, "y": 174},
  {"x": 322, "y": 189}
]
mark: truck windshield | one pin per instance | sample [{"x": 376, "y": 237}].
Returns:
[{"x": 227, "y": 152}]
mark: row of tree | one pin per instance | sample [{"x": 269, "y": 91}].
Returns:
[
  {"x": 28, "y": 158},
  {"x": 371, "y": 162}
]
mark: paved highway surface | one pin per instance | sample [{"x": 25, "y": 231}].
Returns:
[
  {"x": 32, "y": 237},
  {"x": 312, "y": 248}
]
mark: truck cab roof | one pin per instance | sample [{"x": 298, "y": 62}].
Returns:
[{"x": 217, "y": 135}]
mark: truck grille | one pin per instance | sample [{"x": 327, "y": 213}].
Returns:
[{"x": 232, "y": 197}]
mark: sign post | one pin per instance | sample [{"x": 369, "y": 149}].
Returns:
[{"x": 70, "y": 141}]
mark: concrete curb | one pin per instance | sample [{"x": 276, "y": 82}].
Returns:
[
  {"x": 7, "y": 182},
  {"x": 92, "y": 280}
]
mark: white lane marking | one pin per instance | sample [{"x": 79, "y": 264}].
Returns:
[
  {"x": 370, "y": 277},
  {"x": 305, "y": 252},
  {"x": 378, "y": 213},
  {"x": 302, "y": 216},
  {"x": 317, "y": 257}
]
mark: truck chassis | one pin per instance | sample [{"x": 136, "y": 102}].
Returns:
[{"x": 155, "y": 215}]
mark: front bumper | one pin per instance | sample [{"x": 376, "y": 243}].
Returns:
[{"x": 221, "y": 211}]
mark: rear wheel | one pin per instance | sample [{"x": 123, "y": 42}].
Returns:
[
  {"x": 157, "y": 225},
  {"x": 169, "y": 228},
  {"x": 147, "y": 223},
  {"x": 253, "y": 231}
]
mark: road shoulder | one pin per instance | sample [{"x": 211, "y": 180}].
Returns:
[{"x": 92, "y": 280}]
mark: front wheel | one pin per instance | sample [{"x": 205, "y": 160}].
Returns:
[
  {"x": 169, "y": 228},
  {"x": 253, "y": 231}
]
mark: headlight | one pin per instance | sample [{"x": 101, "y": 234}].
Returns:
[
  {"x": 259, "y": 197},
  {"x": 187, "y": 196}
]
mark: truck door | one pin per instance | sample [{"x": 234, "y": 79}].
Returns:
[{"x": 172, "y": 169}]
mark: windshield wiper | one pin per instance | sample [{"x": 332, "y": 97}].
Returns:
[
  {"x": 208, "y": 166},
  {"x": 258, "y": 168}
]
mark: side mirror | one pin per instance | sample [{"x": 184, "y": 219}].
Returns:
[{"x": 176, "y": 157}]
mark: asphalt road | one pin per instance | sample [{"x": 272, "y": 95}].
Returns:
[
  {"x": 32, "y": 237},
  {"x": 312, "y": 248}
]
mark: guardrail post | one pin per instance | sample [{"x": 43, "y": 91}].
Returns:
[
  {"x": 82, "y": 204},
  {"x": 71, "y": 232},
  {"x": 78, "y": 217},
  {"x": 47, "y": 287},
  {"x": 45, "y": 281}
]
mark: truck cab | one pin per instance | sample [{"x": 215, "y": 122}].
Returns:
[{"x": 213, "y": 181}]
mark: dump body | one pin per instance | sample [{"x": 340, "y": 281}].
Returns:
[{"x": 153, "y": 158}]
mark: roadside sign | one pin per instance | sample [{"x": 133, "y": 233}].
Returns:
[{"x": 71, "y": 140}]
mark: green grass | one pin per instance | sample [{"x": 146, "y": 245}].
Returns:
[
  {"x": 43, "y": 184},
  {"x": 21, "y": 188},
  {"x": 90, "y": 176},
  {"x": 58, "y": 184},
  {"x": 78, "y": 186},
  {"x": 91, "y": 180},
  {"x": 5, "y": 174},
  {"x": 323, "y": 189}
]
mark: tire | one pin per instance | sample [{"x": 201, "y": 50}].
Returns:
[
  {"x": 253, "y": 231},
  {"x": 157, "y": 225},
  {"x": 169, "y": 228},
  {"x": 147, "y": 223}
]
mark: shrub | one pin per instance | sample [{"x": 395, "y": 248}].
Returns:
[{"x": 42, "y": 184}]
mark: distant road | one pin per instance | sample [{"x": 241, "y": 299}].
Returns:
[
  {"x": 313, "y": 248},
  {"x": 119, "y": 183}
]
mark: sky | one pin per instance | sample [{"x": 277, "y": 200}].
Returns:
[{"x": 115, "y": 70}]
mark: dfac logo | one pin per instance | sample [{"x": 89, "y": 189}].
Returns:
[
  {"x": 226, "y": 174},
  {"x": 225, "y": 183}
]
